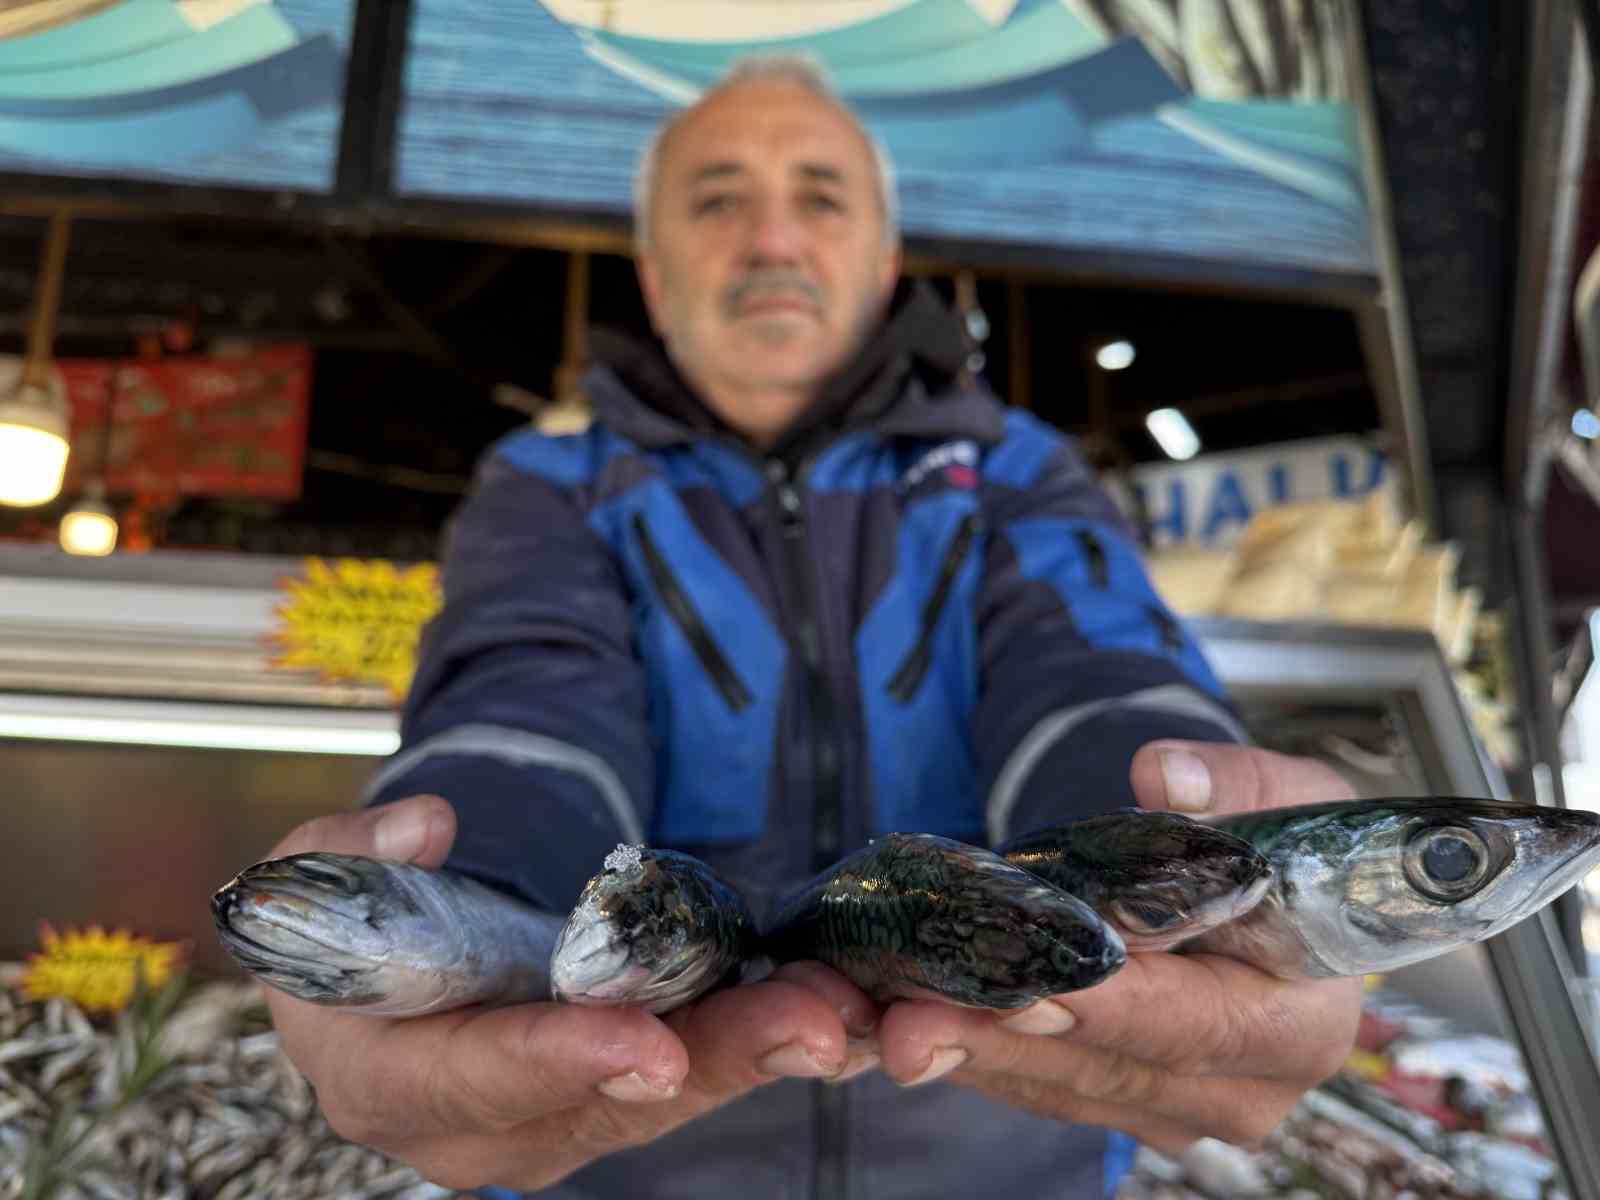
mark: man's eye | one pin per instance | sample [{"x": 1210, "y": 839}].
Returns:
[
  {"x": 821, "y": 202},
  {"x": 714, "y": 204}
]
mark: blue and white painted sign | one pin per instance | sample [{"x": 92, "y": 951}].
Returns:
[
  {"x": 1208, "y": 501},
  {"x": 1113, "y": 126},
  {"x": 244, "y": 93}
]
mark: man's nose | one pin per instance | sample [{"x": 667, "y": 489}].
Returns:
[{"x": 777, "y": 235}]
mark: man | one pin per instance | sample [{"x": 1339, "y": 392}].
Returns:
[{"x": 804, "y": 582}]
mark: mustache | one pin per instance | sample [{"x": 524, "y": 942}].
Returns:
[{"x": 767, "y": 282}]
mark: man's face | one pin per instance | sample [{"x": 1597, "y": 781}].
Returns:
[{"x": 767, "y": 260}]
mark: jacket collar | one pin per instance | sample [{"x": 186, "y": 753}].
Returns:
[{"x": 908, "y": 380}]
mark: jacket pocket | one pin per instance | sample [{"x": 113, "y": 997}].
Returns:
[
  {"x": 908, "y": 675},
  {"x": 682, "y": 609}
]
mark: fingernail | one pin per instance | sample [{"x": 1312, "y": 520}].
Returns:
[
  {"x": 794, "y": 1061},
  {"x": 1046, "y": 1018},
  {"x": 634, "y": 1088},
  {"x": 1188, "y": 781},
  {"x": 942, "y": 1063},
  {"x": 859, "y": 1063},
  {"x": 401, "y": 832}
]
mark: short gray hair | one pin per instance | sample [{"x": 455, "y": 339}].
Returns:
[{"x": 802, "y": 70}]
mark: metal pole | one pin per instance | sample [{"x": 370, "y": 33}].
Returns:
[{"x": 47, "y": 300}]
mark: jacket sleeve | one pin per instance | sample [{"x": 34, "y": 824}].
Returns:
[
  {"x": 528, "y": 709},
  {"x": 1081, "y": 663}
]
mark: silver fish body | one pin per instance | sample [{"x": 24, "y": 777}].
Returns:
[
  {"x": 1157, "y": 878},
  {"x": 654, "y": 928},
  {"x": 1370, "y": 885},
  {"x": 383, "y": 938},
  {"x": 917, "y": 916}
]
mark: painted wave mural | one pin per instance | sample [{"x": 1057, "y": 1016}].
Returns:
[
  {"x": 236, "y": 92},
  {"x": 1209, "y": 129}
]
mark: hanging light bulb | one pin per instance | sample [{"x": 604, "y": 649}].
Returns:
[
  {"x": 33, "y": 443},
  {"x": 90, "y": 526},
  {"x": 1115, "y": 356}
]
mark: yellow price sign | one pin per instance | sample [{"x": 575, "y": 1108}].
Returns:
[{"x": 357, "y": 620}]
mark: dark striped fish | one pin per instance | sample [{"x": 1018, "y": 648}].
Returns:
[
  {"x": 1157, "y": 878},
  {"x": 917, "y": 916},
  {"x": 655, "y": 928},
  {"x": 1369, "y": 885}
]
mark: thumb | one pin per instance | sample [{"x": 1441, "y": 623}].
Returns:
[
  {"x": 417, "y": 829},
  {"x": 1215, "y": 779}
]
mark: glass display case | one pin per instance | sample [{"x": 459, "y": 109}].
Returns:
[{"x": 1497, "y": 1018}]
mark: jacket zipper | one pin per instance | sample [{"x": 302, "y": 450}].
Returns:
[
  {"x": 829, "y": 1180},
  {"x": 716, "y": 664},
  {"x": 1171, "y": 635},
  {"x": 908, "y": 676},
  {"x": 1095, "y": 552}
]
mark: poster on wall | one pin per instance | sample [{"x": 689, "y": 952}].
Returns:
[
  {"x": 1194, "y": 129},
  {"x": 199, "y": 425},
  {"x": 238, "y": 93}
]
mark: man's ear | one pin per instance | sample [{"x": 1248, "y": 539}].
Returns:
[{"x": 644, "y": 265}]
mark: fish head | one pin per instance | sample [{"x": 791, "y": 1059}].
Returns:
[
  {"x": 999, "y": 936},
  {"x": 1375, "y": 885},
  {"x": 1159, "y": 878},
  {"x": 636, "y": 935},
  {"x": 328, "y": 928},
  {"x": 1180, "y": 879}
]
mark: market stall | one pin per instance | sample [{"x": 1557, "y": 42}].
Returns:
[{"x": 1355, "y": 542}]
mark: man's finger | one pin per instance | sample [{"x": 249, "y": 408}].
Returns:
[
  {"x": 1247, "y": 1114},
  {"x": 1074, "y": 1081},
  {"x": 418, "y": 829},
  {"x": 478, "y": 1070},
  {"x": 746, "y": 1036},
  {"x": 855, "y": 1008},
  {"x": 1213, "y": 778},
  {"x": 1229, "y": 1018},
  {"x": 1200, "y": 1015}
]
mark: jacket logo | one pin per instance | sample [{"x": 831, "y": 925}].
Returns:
[{"x": 958, "y": 461}]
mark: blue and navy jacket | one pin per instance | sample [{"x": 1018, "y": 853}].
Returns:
[{"x": 935, "y": 621}]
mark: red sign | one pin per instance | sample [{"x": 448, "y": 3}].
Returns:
[{"x": 193, "y": 426}]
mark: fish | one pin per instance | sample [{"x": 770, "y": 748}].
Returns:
[
  {"x": 655, "y": 928},
  {"x": 916, "y": 916},
  {"x": 1157, "y": 878},
  {"x": 1365, "y": 886},
  {"x": 383, "y": 938}
]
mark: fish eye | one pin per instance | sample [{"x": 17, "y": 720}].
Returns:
[
  {"x": 1447, "y": 862},
  {"x": 1144, "y": 916}
]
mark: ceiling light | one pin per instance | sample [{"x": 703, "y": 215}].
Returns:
[
  {"x": 33, "y": 445},
  {"x": 1114, "y": 356},
  {"x": 1173, "y": 433},
  {"x": 90, "y": 526},
  {"x": 1585, "y": 423}
]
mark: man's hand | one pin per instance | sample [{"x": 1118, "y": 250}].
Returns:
[
  {"x": 520, "y": 1097},
  {"x": 1173, "y": 1047}
]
